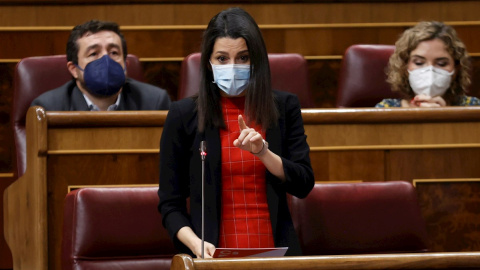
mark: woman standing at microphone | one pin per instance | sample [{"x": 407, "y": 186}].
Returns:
[{"x": 256, "y": 148}]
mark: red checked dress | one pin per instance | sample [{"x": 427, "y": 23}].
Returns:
[{"x": 245, "y": 219}]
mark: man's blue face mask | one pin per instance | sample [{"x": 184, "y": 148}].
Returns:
[
  {"x": 104, "y": 76},
  {"x": 232, "y": 78}
]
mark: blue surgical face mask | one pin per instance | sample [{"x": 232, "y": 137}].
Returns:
[
  {"x": 232, "y": 78},
  {"x": 104, "y": 76}
]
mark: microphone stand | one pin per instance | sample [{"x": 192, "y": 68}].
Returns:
[{"x": 203, "y": 154}]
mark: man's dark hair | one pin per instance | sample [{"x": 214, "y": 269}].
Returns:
[{"x": 93, "y": 26}]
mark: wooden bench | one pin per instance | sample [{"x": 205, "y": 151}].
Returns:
[{"x": 74, "y": 149}]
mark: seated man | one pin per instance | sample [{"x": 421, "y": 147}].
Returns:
[{"x": 96, "y": 55}]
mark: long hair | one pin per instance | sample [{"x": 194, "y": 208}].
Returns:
[
  {"x": 259, "y": 102},
  {"x": 425, "y": 31}
]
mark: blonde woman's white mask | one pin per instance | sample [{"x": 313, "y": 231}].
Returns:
[{"x": 430, "y": 81}]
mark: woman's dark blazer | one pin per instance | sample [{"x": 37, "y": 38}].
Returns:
[{"x": 181, "y": 172}]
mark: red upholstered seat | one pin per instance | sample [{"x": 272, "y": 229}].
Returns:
[
  {"x": 289, "y": 73},
  {"x": 33, "y": 77},
  {"x": 362, "y": 81},
  {"x": 356, "y": 218},
  {"x": 115, "y": 228},
  {"x": 189, "y": 76}
]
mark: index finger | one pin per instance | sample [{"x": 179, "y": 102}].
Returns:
[{"x": 241, "y": 122}]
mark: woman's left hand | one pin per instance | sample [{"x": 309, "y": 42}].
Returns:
[{"x": 249, "y": 139}]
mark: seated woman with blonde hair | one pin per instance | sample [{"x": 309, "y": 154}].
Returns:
[{"x": 430, "y": 67}]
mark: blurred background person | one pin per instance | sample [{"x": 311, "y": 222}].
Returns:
[
  {"x": 96, "y": 55},
  {"x": 430, "y": 67}
]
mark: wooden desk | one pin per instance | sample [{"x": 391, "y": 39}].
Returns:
[
  {"x": 121, "y": 148},
  {"x": 74, "y": 149},
  {"x": 418, "y": 261},
  {"x": 437, "y": 149},
  {"x": 394, "y": 144}
]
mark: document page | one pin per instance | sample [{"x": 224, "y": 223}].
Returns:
[{"x": 249, "y": 252}]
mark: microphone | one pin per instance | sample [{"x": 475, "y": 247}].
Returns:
[
  {"x": 203, "y": 154},
  {"x": 203, "y": 149}
]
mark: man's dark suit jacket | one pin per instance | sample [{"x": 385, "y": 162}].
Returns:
[
  {"x": 180, "y": 172},
  {"x": 135, "y": 96}
]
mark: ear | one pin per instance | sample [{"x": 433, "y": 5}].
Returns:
[{"x": 72, "y": 69}]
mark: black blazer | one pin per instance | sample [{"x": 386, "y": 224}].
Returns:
[
  {"x": 180, "y": 172},
  {"x": 135, "y": 96}
]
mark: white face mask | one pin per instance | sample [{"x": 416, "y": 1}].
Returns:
[
  {"x": 430, "y": 81},
  {"x": 232, "y": 78}
]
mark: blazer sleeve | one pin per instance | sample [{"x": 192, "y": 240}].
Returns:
[
  {"x": 299, "y": 178},
  {"x": 163, "y": 100},
  {"x": 144, "y": 96},
  {"x": 174, "y": 177}
]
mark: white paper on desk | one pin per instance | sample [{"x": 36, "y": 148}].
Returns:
[{"x": 249, "y": 252}]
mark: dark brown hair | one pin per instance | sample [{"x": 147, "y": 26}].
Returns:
[
  {"x": 259, "y": 103},
  {"x": 93, "y": 26}
]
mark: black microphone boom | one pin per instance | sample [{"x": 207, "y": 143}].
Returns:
[{"x": 203, "y": 154}]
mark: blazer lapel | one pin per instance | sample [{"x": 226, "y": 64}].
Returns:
[
  {"x": 78, "y": 102},
  {"x": 273, "y": 137},
  {"x": 213, "y": 182}
]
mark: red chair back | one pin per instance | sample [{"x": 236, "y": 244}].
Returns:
[
  {"x": 289, "y": 73},
  {"x": 115, "y": 228},
  {"x": 362, "y": 81},
  {"x": 35, "y": 76},
  {"x": 359, "y": 218}
]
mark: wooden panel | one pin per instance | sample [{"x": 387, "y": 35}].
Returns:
[
  {"x": 6, "y": 136},
  {"x": 433, "y": 163},
  {"x": 91, "y": 169},
  {"x": 25, "y": 209},
  {"x": 46, "y": 180},
  {"x": 49, "y": 43},
  {"x": 349, "y": 136},
  {"x": 418, "y": 261},
  {"x": 264, "y": 13},
  {"x": 451, "y": 209},
  {"x": 172, "y": 43},
  {"x": 113, "y": 2},
  {"x": 5, "y": 255},
  {"x": 362, "y": 165},
  {"x": 164, "y": 43},
  {"x": 399, "y": 144},
  {"x": 45, "y": 183},
  {"x": 62, "y": 141}
]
